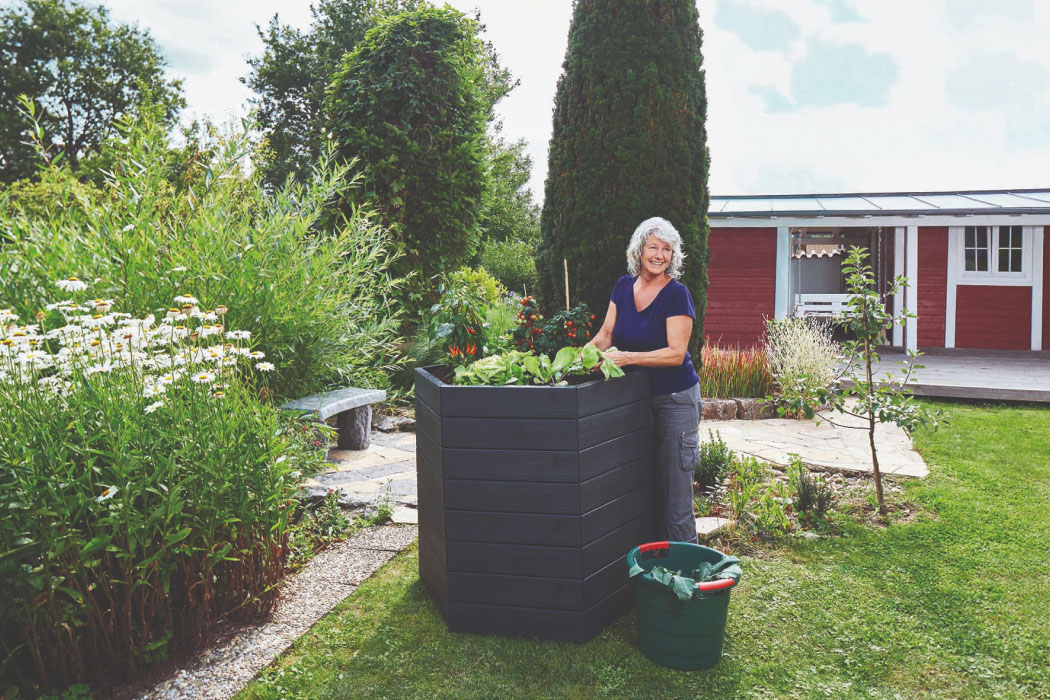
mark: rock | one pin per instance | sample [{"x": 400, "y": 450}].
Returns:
[
  {"x": 810, "y": 535},
  {"x": 719, "y": 409},
  {"x": 404, "y": 516},
  {"x": 767, "y": 410},
  {"x": 748, "y": 409},
  {"x": 394, "y": 424},
  {"x": 706, "y": 528}
]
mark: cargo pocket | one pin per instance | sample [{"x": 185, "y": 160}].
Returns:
[{"x": 689, "y": 447}]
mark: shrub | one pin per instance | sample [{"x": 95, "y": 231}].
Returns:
[
  {"x": 320, "y": 305},
  {"x": 409, "y": 100},
  {"x": 147, "y": 489},
  {"x": 511, "y": 263},
  {"x": 755, "y": 498},
  {"x": 488, "y": 287},
  {"x": 628, "y": 142},
  {"x": 734, "y": 372},
  {"x": 802, "y": 356},
  {"x": 715, "y": 460},
  {"x": 812, "y": 494}
]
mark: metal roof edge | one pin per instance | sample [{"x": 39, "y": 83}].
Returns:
[{"x": 881, "y": 194}]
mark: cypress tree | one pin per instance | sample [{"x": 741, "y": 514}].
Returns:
[{"x": 629, "y": 142}]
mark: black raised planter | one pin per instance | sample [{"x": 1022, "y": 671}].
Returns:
[{"x": 529, "y": 499}]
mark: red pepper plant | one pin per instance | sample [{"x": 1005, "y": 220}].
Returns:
[{"x": 457, "y": 324}]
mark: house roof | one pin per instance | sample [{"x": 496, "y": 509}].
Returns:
[{"x": 967, "y": 202}]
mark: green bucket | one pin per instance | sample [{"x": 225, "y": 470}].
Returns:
[{"x": 684, "y": 634}]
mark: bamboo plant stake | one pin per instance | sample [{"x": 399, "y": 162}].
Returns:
[{"x": 565, "y": 261}]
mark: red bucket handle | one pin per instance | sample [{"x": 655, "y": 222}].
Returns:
[
  {"x": 716, "y": 585},
  {"x": 642, "y": 549}
]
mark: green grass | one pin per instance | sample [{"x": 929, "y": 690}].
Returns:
[{"x": 953, "y": 605}]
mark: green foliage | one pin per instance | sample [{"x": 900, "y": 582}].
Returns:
[
  {"x": 488, "y": 287},
  {"x": 409, "y": 100},
  {"x": 813, "y": 495},
  {"x": 755, "y": 499},
  {"x": 515, "y": 367},
  {"x": 507, "y": 210},
  {"x": 715, "y": 460},
  {"x": 545, "y": 336},
  {"x": 290, "y": 78},
  {"x": 510, "y": 262},
  {"x": 734, "y": 372},
  {"x": 456, "y": 323},
  {"x": 874, "y": 399},
  {"x": 628, "y": 143},
  {"x": 320, "y": 306},
  {"x": 84, "y": 72},
  {"x": 147, "y": 489}
]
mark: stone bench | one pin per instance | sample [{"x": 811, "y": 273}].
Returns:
[{"x": 353, "y": 411}]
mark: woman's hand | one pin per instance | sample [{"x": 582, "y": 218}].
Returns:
[{"x": 619, "y": 357}]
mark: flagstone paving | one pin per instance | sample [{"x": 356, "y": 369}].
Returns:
[{"x": 842, "y": 448}]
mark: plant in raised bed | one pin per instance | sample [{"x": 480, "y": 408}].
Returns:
[
  {"x": 516, "y": 367},
  {"x": 571, "y": 327}
]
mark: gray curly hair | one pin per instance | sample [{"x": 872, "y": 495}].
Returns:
[{"x": 662, "y": 229}]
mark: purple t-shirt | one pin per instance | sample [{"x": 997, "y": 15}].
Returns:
[{"x": 646, "y": 330}]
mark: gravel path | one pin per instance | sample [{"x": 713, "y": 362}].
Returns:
[{"x": 240, "y": 651}]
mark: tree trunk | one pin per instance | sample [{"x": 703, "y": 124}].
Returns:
[{"x": 871, "y": 429}]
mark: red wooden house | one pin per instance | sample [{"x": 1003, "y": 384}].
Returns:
[{"x": 976, "y": 262}]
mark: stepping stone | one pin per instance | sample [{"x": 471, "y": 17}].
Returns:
[
  {"x": 706, "y": 528},
  {"x": 404, "y": 516},
  {"x": 394, "y": 424}
]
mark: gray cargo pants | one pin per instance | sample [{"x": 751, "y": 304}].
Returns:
[{"x": 676, "y": 450}]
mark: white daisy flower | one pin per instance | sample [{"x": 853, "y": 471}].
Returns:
[
  {"x": 228, "y": 361},
  {"x": 107, "y": 494},
  {"x": 35, "y": 359},
  {"x": 152, "y": 390},
  {"x": 184, "y": 299},
  {"x": 264, "y": 366},
  {"x": 256, "y": 355},
  {"x": 7, "y": 315},
  {"x": 210, "y": 330},
  {"x": 218, "y": 394},
  {"x": 153, "y": 406},
  {"x": 204, "y": 378},
  {"x": 239, "y": 335},
  {"x": 102, "y": 305},
  {"x": 221, "y": 310},
  {"x": 71, "y": 284}
]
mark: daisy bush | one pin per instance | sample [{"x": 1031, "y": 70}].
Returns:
[
  {"x": 314, "y": 290},
  {"x": 147, "y": 488}
]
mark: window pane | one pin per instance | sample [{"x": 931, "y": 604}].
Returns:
[
  {"x": 971, "y": 260},
  {"x": 971, "y": 240},
  {"x": 1015, "y": 236},
  {"x": 1015, "y": 261},
  {"x": 1004, "y": 260},
  {"x": 982, "y": 260},
  {"x": 982, "y": 236}
]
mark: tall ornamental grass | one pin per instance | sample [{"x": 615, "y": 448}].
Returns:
[
  {"x": 147, "y": 490},
  {"x": 320, "y": 303},
  {"x": 734, "y": 372},
  {"x": 802, "y": 355}
]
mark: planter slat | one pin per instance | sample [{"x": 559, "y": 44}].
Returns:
[
  {"x": 610, "y": 424},
  {"x": 491, "y": 402},
  {"x": 514, "y": 559},
  {"x": 525, "y": 497},
  {"x": 615, "y": 483},
  {"x": 509, "y": 433},
  {"x": 513, "y": 528},
  {"x": 513, "y": 465},
  {"x": 529, "y": 499},
  {"x": 615, "y": 453}
]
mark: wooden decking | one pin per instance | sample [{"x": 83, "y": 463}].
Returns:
[{"x": 979, "y": 375}]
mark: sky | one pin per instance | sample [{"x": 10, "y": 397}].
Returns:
[{"x": 806, "y": 96}]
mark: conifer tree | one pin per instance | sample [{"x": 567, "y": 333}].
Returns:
[{"x": 629, "y": 142}]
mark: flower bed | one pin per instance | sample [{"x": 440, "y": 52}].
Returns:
[{"x": 148, "y": 488}]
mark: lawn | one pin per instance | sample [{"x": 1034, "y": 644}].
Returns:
[{"x": 951, "y": 605}]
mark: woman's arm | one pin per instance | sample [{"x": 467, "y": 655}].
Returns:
[
  {"x": 603, "y": 338},
  {"x": 679, "y": 328}
]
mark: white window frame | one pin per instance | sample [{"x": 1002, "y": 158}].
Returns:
[{"x": 991, "y": 277}]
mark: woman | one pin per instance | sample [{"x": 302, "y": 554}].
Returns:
[{"x": 649, "y": 321}]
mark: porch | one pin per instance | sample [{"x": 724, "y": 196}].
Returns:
[{"x": 988, "y": 375}]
